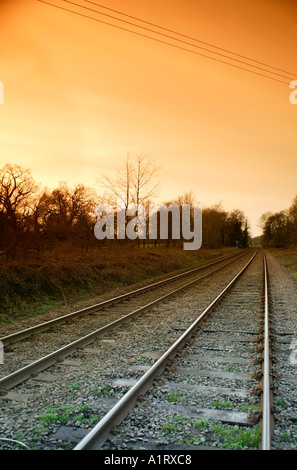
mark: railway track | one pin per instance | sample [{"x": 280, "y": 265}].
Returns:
[
  {"x": 42, "y": 345},
  {"x": 194, "y": 371},
  {"x": 210, "y": 382},
  {"x": 99, "y": 307}
]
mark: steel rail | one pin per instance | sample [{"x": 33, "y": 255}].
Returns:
[
  {"x": 266, "y": 382},
  {"x": 23, "y": 334},
  {"x": 98, "y": 435},
  {"x": 43, "y": 363}
]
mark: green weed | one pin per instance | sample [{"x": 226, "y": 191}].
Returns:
[
  {"x": 54, "y": 415},
  {"x": 234, "y": 438},
  {"x": 219, "y": 405},
  {"x": 173, "y": 397}
]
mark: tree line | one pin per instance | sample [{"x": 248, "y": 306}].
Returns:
[
  {"x": 35, "y": 219},
  {"x": 280, "y": 228}
]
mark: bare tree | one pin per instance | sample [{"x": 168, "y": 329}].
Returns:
[
  {"x": 17, "y": 189},
  {"x": 119, "y": 186},
  {"x": 134, "y": 183},
  {"x": 263, "y": 219},
  {"x": 293, "y": 220},
  {"x": 144, "y": 174}
]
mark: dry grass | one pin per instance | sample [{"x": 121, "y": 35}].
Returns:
[
  {"x": 30, "y": 287},
  {"x": 287, "y": 257}
]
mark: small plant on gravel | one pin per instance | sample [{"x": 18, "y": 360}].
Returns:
[
  {"x": 237, "y": 438},
  {"x": 141, "y": 359},
  {"x": 39, "y": 431},
  {"x": 178, "y": 419},
  {"x": 85, "y": 407},
  {"x": 74, "y": 386},
  {"x": 285, "y": 436},
  {"x": 85, "y": 415},
  {"x": 219, "y": 405},
  {"x": 93, "y": 419},
  {"x": 201, "y": 423},
  {"x": 85, "y": 420},
  {"x": 106, "y": 390},
  {"x": 54, "y": 415},
  {"x": 102, "y": 391},
  {"x": 185, "y": 430},
  {"x": 250, "y": 407},
  {"x": 281, "y": 403},
  {"x": 192, "y": 440},
  {"x": 173, "y": 397},
  {"x": 234, "y": 369},
  {"x": 170, "y": 429},
  {"x": 96, "y": 391}
]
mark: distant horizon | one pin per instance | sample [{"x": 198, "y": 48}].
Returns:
[{"x": 163, "y": 199}]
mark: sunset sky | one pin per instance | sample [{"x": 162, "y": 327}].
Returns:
[{"x": 79, "y": 95}]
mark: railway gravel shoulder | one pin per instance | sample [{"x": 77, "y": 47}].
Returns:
[{"x": 283, "y": 297}]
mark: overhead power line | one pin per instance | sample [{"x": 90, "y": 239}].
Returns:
[
  {"x": 175, "y": 39},
  {"x": 188, "y": 37},
  {"x": 166, "y": 42}
]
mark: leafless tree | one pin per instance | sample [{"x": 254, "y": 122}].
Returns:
[
  {"x": 17, "y": 190},
  {"x": 144, "y": 184},
  {"x": 293, "y": 220},
  {"x": 134, "y": 183}
]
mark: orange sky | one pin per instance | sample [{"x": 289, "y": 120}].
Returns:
[{"x": 79, "y": 95}]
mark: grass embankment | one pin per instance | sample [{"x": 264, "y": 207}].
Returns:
[
  {"x": 287, "y": 257},
  {"x": 32, "y": 287}
]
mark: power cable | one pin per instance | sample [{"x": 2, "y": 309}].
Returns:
[
  {"x": 164, "y": 42},
  {"x": 185, "y": 36}
]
